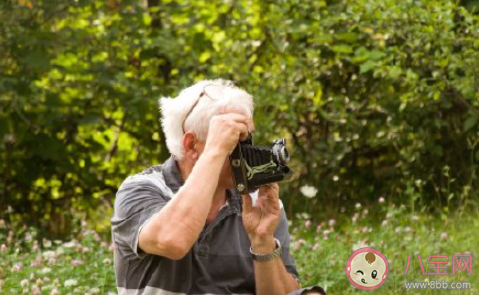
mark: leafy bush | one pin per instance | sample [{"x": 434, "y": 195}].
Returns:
[{"x": 376, "y": 97}]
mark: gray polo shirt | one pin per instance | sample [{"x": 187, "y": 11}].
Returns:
[{"x": 218, "y": 263}]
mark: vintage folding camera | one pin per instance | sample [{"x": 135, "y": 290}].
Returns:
[{"x": 254, "y": 166}]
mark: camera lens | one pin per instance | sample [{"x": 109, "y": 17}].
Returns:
[
  {"x": 280, "y": 152},
  {"x": 283, "y": 155}
]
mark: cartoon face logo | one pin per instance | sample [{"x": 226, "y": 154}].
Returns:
[{"x": 367, "y": 269}]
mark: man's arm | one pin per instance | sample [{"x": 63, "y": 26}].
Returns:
[
  {"x": 173, "y": 231},
  {"x": 271, "y": 277},
  {"x": 260, "y": 222}
]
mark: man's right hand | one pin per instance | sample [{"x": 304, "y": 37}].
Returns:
[{"x": 225, "y": 131}]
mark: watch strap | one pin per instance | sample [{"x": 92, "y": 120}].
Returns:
[{"x": 269, "y": 256}]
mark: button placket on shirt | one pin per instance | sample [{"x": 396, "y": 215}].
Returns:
[{"x": 203, "y": 246}]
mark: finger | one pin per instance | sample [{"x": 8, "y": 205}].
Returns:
[
  {"x": 272, "y": 188},
  {"x": 232, "y": 110},
  {"x": 268, "y": 190},
  {"x": 271, "y": 194},
  {"x": 237, "y": 117},
  {"x": 263, "y": 196},
  {"x": 247, "y": 204},
  {"x": 261, "y": 200},
  {"x": 243, "y": 131}
]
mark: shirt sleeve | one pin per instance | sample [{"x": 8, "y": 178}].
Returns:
[
  {"x": 282, "y": 234},
  {"x": 137, "y": 202}
]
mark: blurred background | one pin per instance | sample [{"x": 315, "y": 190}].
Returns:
[{"x": 379, "y": 102}]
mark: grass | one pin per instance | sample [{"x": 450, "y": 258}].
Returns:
[
  {"x": 80, "y": 266},
  {"x": 84, "y": 264},
  {"x": 321, "y": 251}
]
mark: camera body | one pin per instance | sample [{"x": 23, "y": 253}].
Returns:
[{"x": 254, "y": 166}]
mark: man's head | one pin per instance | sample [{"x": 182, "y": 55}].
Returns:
[{"x": 186, "y": 118}]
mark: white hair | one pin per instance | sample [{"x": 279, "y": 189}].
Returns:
[{"x": 175, "y": 110}]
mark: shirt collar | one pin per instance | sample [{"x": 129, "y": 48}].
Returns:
[{"x": 172, "y": 175}]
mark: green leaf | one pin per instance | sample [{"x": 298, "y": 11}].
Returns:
[
  {"x": 349, "y": 37},
  {"x": 90, "y": 119},
  {"x": 471, "y": 122},
  {"x": 342, "y": 48},
  {"x": 322, "y": 39},
  {"x": 204, "y": 56},
  {"x": 367, "y": 66}
]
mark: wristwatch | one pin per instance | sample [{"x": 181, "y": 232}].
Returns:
[{"x": 270, "y": 256}]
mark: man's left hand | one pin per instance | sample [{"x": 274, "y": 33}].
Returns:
[{"x": 261, "y": 220}]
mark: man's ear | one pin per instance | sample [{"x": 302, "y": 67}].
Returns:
[{"x": 189, "y": 146}]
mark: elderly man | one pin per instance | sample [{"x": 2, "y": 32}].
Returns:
[{"x": 182, "y": 228}]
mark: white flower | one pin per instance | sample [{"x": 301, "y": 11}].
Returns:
[
  {"x": 355, "y": 217},
  {"x": 24, "y": 283},
  {"x": 45, "y": 270},
  {"x": 48, "y": 254},
  {"x": 381, "y": 200},
  {"x": 70, "y": 244},
  {"x": 60, "y": 251},
  {"x": 307, "y": 223},
  {"x": 70, "y": 283},
  {"x": 359, "y": 245},
  {"x": 358, "y": 205},
  {"x": 28, "y": 237},
  {"x": 332, "y": 222},
  {"x": 443, "y": 236},
  {"x": 47, "y": 243},
  {"x": 76, "y": 262},
  {"x": 36, "y": 291},
  {"x": 94, "y": 291},
  {"x": 17, "y": 267},
  {"x": 308, "y": 191},
  {"x": 319, "y": 228},
  {"x": 300, "y": 243}
]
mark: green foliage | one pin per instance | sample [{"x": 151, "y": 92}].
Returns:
[{"x": 375, "y": 97}]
